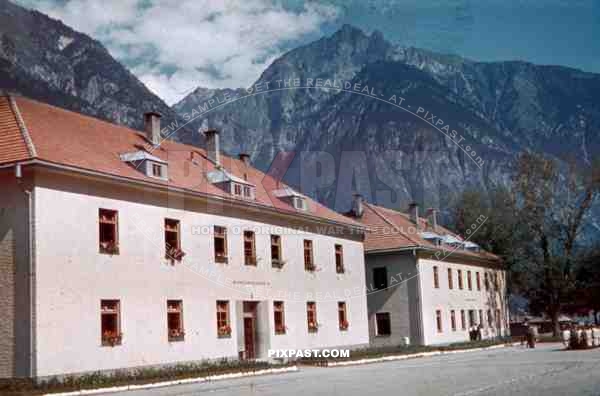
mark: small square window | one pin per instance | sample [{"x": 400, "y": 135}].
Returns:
[{"x": 157, "y": 170}]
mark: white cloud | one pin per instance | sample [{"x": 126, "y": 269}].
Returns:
[{"x": 208, "y": 43}]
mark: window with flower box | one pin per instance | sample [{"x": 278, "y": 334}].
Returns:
[
  {"x": 311, "y": 317},
  {"x": 223, "y": 322},
  {"x": 276, "y": 260},
  {"x": 109, "y": 231},
  {"x": 110, "y": 319},
  {"x": 339, "y": 259},
  {"x": 383, "y": 324},
  {"x": 173, "y": 250},
  {"x": 343, "y": 316},
  {"x": 453, "y": 320},
  {"x": 309, "y": 264},
  {"x": 175, "y": 320},
  {"x": 220, "y": 244},
  {"x": 279, "y": 317}
]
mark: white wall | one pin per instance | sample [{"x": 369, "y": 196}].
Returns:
[
  {"x": 73, "y": 277},
  {"x": 446, "y": 300}
]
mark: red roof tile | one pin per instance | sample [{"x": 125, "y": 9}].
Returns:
[
  {"x": 68, "y": 138},
  {"x": 389, "y": 229},
  {"x": 13, "y": 146}
]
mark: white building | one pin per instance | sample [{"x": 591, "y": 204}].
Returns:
[
  {"x": 425, "y": 284},
  {"x": 118, "y": 254}
]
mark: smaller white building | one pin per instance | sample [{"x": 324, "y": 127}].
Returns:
[{"x": 426, "y": 285}]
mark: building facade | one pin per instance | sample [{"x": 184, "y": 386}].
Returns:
[
  {"x": 426, "y": 285},
  {"x": 118, "y": 253}
]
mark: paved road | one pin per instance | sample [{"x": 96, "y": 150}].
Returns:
[{"x": 544, "y": 371}]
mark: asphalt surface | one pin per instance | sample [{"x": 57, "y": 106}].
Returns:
[{"x": 546, "y": 370}]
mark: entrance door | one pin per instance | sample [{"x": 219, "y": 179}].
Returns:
[
  {"x": 249, "y": 338},
  {"x": 250, "y": 329}
]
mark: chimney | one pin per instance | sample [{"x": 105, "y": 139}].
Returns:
[
  {"x": 432, "y": 219},
  {"x": 213, "y": 149},
  {"x": 245, "y": 158},
  {"x": 152, "y": 127},
  {"x": 357, "y": 205},
  {"x": 413, "y": 210}
]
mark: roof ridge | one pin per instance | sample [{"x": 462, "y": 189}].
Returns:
[
  {"x": 22, "y": 127},
  {"x": 372, "y": 207}
]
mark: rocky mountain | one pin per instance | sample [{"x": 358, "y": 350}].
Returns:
[
  {"x": 388, "y": 154},
  {"x": 42, "y": 58}
]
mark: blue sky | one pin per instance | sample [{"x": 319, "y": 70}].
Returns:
[{"x": 176, "y": 45}]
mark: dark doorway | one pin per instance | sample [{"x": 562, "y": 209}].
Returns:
[{"x": 250, "y": 329}]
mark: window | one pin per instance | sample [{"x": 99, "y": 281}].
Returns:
[
  {"x": 490, "y": 318},
  {"x": 279, "y": 317},
  {"x": 276, "y": 251},
  {"x": 342, "y": 317},
  {"x": 382, "y": 320},
  {"x": 223, "y": 325},
  {"x": 450, "y": 280},
  {"x": 481, "y": 317},
  {"x": 110, "y": 319},
  {"x": 175, "y": 320},
  {"x": 438, "y": 320},
  {"x": 237, "y": 189},
  {"x": 453, "y": 320},
  {"x": 498, "y": 319},
  {"x": 436, "y": 278},
  {"x": 469, "y": 281},
  {"x": 463, "y": 321},
  {"x": 308, "y": 255},
  {"x": 249, "y": 248},
  {"x": 220, "y": 244},
  {"x": 311, "y": 317},
  {"x": 109, "y": 231},
  {"x": 472, "y": 319},
  {"x": 460, "y": 279},
  {"x": 299, "y": 203},
  {"x": 478, "y": 278},
  {"x": 486, "y": 281},
  {"x": 380, "y": 278},
  {"x": 172, "y": 240},
  {"x": 247, "y": 192},
  {"x": 339, "y": 259},
  {"x": 496, "y": 284},
  {"x": 157, "y": 170}
]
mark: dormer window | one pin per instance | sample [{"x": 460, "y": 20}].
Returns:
[
  {"x": 234, "y": 185},
  {"x": 299, "y": 203},
  {"x": 293, "y": 198},
  {"x": 146, "y": 163}
]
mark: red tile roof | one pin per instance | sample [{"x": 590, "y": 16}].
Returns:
[
  {"x": 72, "y": 139},
  {"x": 390, "y": 230},
  {"x": 13, "y": 146}
]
